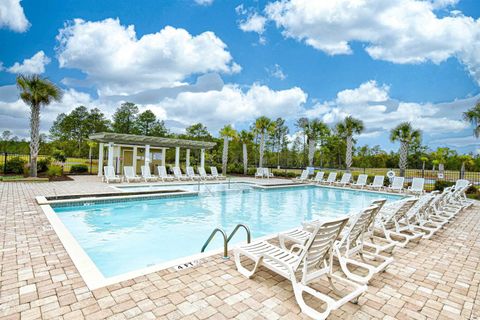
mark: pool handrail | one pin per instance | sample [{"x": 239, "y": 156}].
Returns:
[{"x": 226, "y": 239}]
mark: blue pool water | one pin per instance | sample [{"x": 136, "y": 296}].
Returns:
[{"x": 125, "y": 236}]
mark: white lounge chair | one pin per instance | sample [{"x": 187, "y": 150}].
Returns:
[
  {"x": 361, "y": 181},
  {"x": 162, "y": 174},
  {"x": 332, "y": 176},
  {"x": 259, "y": 173},
  {"x": 389, "y": 225},
  {"x": 216, "y": 175},
  {"x": 377, "y": 183},
  {"x": 109, "y": 175},
  {"x": 147, "y": 175},
  {"x": 177, "y": 173},
  {"x": 203, "y": 174},
  {"x": 397, "y": 184},
  {"x": 302, "y": 178},
  {"x": 346, "y": 177},
  {"x": 349, "y": 246},
  {"x": 267, "y": 174},
  {"x": 417, "y": 186},
  {"x": 192, "y": 175},
  {"x": 419, "y": 218},
  {"x": 318, "y": 177},
  {"x": 313, "y": 260},
  {"x": 130, "y": 175}
]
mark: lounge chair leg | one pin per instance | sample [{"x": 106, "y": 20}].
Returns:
[
  {"x": 247, "y": 273},
  {"x": 299, "y": 289}
]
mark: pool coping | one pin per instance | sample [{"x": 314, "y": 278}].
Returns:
[{"x": 90, "y": 273}]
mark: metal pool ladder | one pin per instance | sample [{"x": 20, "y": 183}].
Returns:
[{"x": 226, "y": 239}]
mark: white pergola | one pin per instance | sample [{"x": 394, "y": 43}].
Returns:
[{"x": 114, "y": 141}]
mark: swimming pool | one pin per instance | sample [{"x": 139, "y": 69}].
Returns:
[{"x": 120, "y": 237}]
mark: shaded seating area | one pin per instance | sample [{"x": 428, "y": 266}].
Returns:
[{"x": 135, "y": 152}]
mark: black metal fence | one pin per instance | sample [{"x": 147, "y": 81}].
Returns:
[
  {"x": 431, "y": 176},
  {"x": 8, "y": 160}
]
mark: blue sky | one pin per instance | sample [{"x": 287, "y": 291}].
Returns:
[{"x": 230, "y": 61}]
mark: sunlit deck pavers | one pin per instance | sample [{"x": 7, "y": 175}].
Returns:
[{"x": 436, "y": 279}]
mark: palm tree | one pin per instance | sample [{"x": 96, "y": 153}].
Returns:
[
  {"x": 314, "y": 130},
  {"x": 404, "y": 133},
  {"x": 36, "y": 92},
  {"x": 227, "y": 133},
  {"x": 302, "y": 124},
  {"x": 263, "y": 125},
  {"x": 347, "y": 128},
  {"x": 245, "y": 137},
  {"x": 473, "y": 116}
]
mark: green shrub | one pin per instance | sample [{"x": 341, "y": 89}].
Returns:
[
  {"x": 15, "y": 165},
  {"x": 440, "y": 185},
  {"x": 79, "y": 168},
  {"x": 59, "y": 155},
  {"x": 43, "y": 164},
  {"x": 54, "y": 171}
]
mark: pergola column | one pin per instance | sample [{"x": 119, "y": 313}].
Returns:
[
  {"x": 164, "y": 155},
  {"x": 177, "y": 156},
  {"x": 134, "y": 159},
  {"x": 202, "y": 158},
  {"x": 187, "y": 158},
  {"x": 147, "y": 155},
  {"x": 100, "y": 159},
  {"x": 110, "y": 154}
]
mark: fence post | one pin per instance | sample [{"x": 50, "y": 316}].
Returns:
[{"x": 5, "y": 163}]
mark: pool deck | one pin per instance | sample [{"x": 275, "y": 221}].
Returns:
[{"x": 435, "y": 279}]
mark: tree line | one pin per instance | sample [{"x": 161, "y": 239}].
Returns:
[{"x": 267, "y": 142}]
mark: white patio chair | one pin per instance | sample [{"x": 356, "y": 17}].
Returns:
[
  {"x": 302, "y": 178},
  {"x": 344, "y": 180},
  {"x": 417, "y": 186},
  {"x": 203, "y": 174},
  {"x": 109, "y": 175},
  {"x": 259, "y": 173},
  {"x": 162, "y": 174},
  {"x": 361, "y": 181},
  {"x": 397, "y": 184},
  {"x": 318, "y": 177},
  {"x": 332, "y": 176},
  {"x": 313, "y": 260},
  {"x": 267, "y": 173},
  {"x": 389, "y": 227},
  {"x": 147, "y": 175},
  {"x": 177, "y": 173},
  {"x": 130, "y": 175},
  {"x": 349, "y": 246},
  {"x": 192, "y": 175},
  {"x": 377, "y": 183},
  {"x": 216, "y": 175}
]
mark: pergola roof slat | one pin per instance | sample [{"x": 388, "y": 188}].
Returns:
[{"x": 133, "y": 139}]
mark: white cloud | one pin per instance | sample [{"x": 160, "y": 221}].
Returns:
[
  {"x": 33, "y": 65},
  {"x": 12, "y": 16},
  {"x": 253, "y": 23},
  {"x": 14, "y": 112},
  {"x": 231, "y": 105},
  {"x": 440, "y": 4},
  {"x": 371, "y": 103},
  {"x": 399, "y": 31},
  {"x": 117, "y": 62},
  {"x": 277, "y": 72},
  {"x": 204, "y": 2},
  {"x": 214, "y": 108}
]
